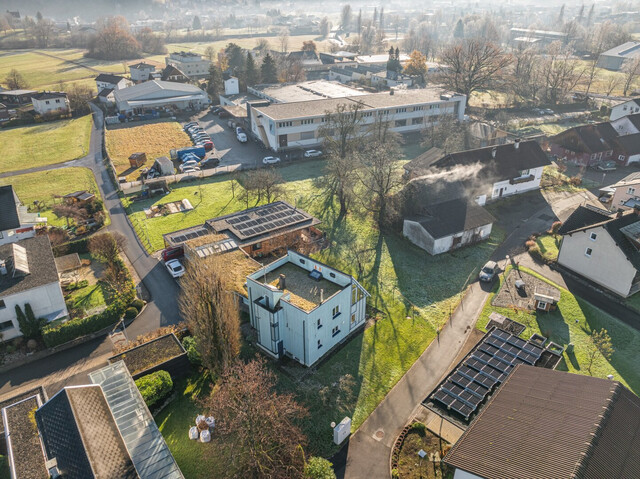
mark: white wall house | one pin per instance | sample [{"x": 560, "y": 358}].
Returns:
[
  {"x": 627, "y": 192},
  {"x": 28, "y": 274},
  {"x": 231, "y": 86},
  {"x": 141, "y": 72},
  {"x": 605, "y": 252},
  {"x": 114, "y": 82},
  {"x": 625, "y": 108},
  {"x": 50, "y": 102},
  {"x": 299, "y": 316},
  {"x": 296, "y": 125},
  {"x": 15, "y": 222},
  {"x": 189, "y": 63}
]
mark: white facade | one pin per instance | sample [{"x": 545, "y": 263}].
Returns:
[
  {"x": 460, "y": 474},
  {"x": 299, "y": 129},
  {"x": 191, "y": 64},
  {"x": 123, "y": 83},
  {"x": 419, "y": 236},
  {"x": 594, "y": 254},
  {"x": 518, "y": 185},
  {"x": 44, "y": 300},
  {"x": 286, "y": 329},
  {"x": 51, "y": 105},
  {"x": 141, "y": 72},
  {"x": 231, "y": 86},
  {"x": 624, "y": 109}
]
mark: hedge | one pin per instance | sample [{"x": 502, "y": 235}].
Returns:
[
  {"x": 79, "y": 246},
  {"x": 155, "y": 387}
]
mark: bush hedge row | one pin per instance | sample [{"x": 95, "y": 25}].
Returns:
[
  {"x": 155, "y": 387},
  {"x": 79, "y": 246}
]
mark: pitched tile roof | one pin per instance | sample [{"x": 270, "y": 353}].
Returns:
[
  {"x": 584, "y": 216},
  {"x": 79, "y": 430},
  {"x": 49, "y": 95},
  {"x": 548, "y": 424},
  {"x": 42, "y": 266},
  {"x": 454, "y": 216},
  {"x": 9, "y": 218},
  {"x": 108, "y": 78}
]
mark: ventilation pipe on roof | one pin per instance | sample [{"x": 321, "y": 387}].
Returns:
[
  {"x": 321, "y": 296},
  {"x": 3, "y": 266},
  {"x": 494, "y": 150},
  {"x": 516, "y": 143},
  {"x": 281, "y": 284}
]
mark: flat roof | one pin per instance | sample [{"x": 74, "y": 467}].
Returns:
[
  {"x": 305, "y": 292},
  {"x": 309, "y": 90},
  {"x": 399, "y": 98}
]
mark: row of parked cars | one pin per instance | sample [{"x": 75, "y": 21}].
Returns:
[{"x": 198, "y": 135}]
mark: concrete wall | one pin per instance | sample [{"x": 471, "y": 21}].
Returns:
[
  {"x": 611, "y": 62},
  {"x": 415, "y": 233},
  {"x": 607, "y": 265},
  {"x": 509, "y": 189},
  {"x": 44, "y": 300}
]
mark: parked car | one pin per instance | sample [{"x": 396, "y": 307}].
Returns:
[
  {"x": 190, "y": 169},
  {"x": 241, "y": 135},
  {"x": 312, "y": 153},
  {"x": 195, "y": 133},
  {"x": 211, "y": 162},
  {"x": 174, "y": 252},
  {"x": 270, "y": 160},
  {"x": 191, "y": 124},
  {"x": 606, "y": 166},
  {"x": 187, "y": 164},
  {"x": 488, "y": 271},
  {"x": 174, "y": 267},
  {"x": 201, "y": 136},
  {"x": 549, "y": 111},
  {"x": 208, "y": 144},
  {"x": 223, "y": 114},
  {"x": 190, "y": 157}
]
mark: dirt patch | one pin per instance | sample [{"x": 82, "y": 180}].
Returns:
[
  {"x": 511, "y": 296},
  {"x": 149, "y": 354},
  {"x": 412, "y": 466}
]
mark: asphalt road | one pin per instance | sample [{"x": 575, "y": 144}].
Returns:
[{"x": 71, "y": 366}]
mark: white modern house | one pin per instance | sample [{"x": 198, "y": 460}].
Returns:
[
  {"x": 189, "y": 63},
  {"x": 141, "y": 72},
  {"x": 626, "y": 108},
  {"x": 51, "y": 102},
  {"x": 15, "y": 222},
  {"x": 302, "y": 308},
  {"x": 160, "y": 94},
  {"x": 106, "y": 81},
  {"x": 28, "y": 274},
  {"x": 603, "y": 247},
  {"x": 297, "y": 124}
]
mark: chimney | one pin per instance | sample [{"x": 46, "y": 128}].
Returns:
[
  {"x": 516, "y": 143},
  {"x": 266, "y": 301},
  {"x": 620, "y": 213},
  {"x": 321, "y": 296},
  {"x": 3, "y": 267},
  {"x": 494, "y": 150},
  {"x": 281, "y": 282},
  {"x": 636, "y": 209}
]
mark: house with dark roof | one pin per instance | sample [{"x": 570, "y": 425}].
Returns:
[
  {"x": 106, "y": 81},
  {"x": 28, "y": 274},
  {"x": 172, "y": 73},
  {"x": 16, "y": 223},
  {"x": 626, "y": 192},
  {"x": 603, "y": 247},
  {"x": 543, "y": 423},
  {"x": 51, "y": 103},
  {"x": 141, "y": 72}
]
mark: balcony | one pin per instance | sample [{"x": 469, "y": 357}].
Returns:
[{"x": 521, "y": 179}]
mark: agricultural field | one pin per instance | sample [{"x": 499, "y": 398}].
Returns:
[
  {"x": 44, "y": 144},
  {"x": 155, "y": 139},
  {"x": 43, "y": 185},
  {"x": 573, "y": 322},
  {"x": 412, "y": 292}
]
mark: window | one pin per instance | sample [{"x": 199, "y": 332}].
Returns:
[
  {"x": 594, "y": 156},
  {"x": 57, "y": 101},
  {"x": 307, "y": 135},
  {"x": 542, "y": 305},
  {"x": 434, "y": 107},
  {"x": 319, "y": 344},
  {"x": 400, "y": 123},
  {"x": 418, "y": 108},
  {"x": 631, "y": 191},
  {"x": 335, "y": 331},
  {"x": 417, "y": 121},
  {"x": 307, "y": 122},
  {"x": 588, "y": 252},
  {"x": 319, "y": 323},
  {"x": 256, "y": 246},
  {"x": 353, "y": 318},
  {"x": 336, "y": 311},
  {"x": 302, "y": 261},
  {"x": 333, "y": 275},
  {"x": 5, "y": 325},
  {"x": 47, "y": 102},
  {"x": 593, "y": 236},
  {"x": 401, "y": 110},
  {"x": 2, "y": 305},
  {"x": 621, "y": 157},
  {"x": 282, "y": 124},
  {"x": 524, "y": 173}
]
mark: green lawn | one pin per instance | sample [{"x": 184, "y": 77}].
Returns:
[
  {"x": 89, "y": 297},
  {"x": 413, "y": 292},
  {"x": 44, "y": 144},
  {"x": 549, "y": 245},
  {"x": 634, "y": 302},
  {"x": 573, "y": 322},
  {"x": 4, "y": 468},
  {"x": 41, "y": 187}
]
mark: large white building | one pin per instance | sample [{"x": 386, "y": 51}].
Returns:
[
  {"x": 160, "y": 94},
  {"x": 28, "y": 274},
  {"x": 51, "y": 102},
  {"x": 141, "y": 72},
  {"x": 296, "y": 124},
  {"x": 189, "y": 63},
  {"x": 302, "y": 308}
]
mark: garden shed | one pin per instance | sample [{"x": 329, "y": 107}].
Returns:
[{"x": 136, "y": 160}]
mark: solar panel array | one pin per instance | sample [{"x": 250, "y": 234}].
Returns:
[
  {"x": 265, "y": 220},
  {"x": 487, "y": 365},
  {"x": 183, "y": 236}
]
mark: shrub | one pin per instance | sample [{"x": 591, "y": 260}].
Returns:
[
  {"x": 138, "y": 304},
  {"x": 189, "y": 344},
  {"x": 536, "y": 253},
  {"x": 79, "y": 285},
  {"x": 395, "y": 474},
  {"x": 79, "y": 246},
  {"x": 155, "y": 387},
  {"x": 28, "y": 323},
  {"x": 318, "y": 468},
  {"x": 419, "y": 427},
  {"x": 530, "y": 244},
  {"x": 130, "y": 313},
  {"x": 555, "y": 227}
]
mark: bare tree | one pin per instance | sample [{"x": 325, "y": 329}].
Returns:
[
  {"x": 525, "y": 78},
  {"x": 267, "y": 184},
  {"x": 107, "y": 246},
  {"x": 283, "y": 39},
  {"x": 473, "y": 65},
  {"x": 325, "y": 27},
  {"x": 600, "y": 344},
  {"x": 257, "y": 423},
  {"x": 560, "y": 72},
  {"x": 612, "y": 82},
  {"x": 631, "y": 68},
  {"x": 15, "y": 80},
  {"x": 70, "y": 212},
  {"x": 291, "y": 70},
  {"x": 79, "y": 96},
  {"x": 446, "y": 133},
  {"x": 210, "y": 310}
]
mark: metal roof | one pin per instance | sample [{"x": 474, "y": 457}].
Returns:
[{"x": 150, "y": 454}]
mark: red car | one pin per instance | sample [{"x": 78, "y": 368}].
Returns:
[
  {"x": 208, "y": 145},
  {"x": 175, "y": 252}
]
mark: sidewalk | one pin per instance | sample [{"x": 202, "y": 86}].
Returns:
[{"x": 369, "y": 449}]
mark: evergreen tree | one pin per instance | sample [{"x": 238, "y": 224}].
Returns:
[
  {"x": 214, "y": 85},
  {"x": 236, "y": 58},
  {"x": 381, "y": 18},
  {"x": 458, "y": 31},
  {"x": 561, "y": 15},
  {"x": 39, "y": 16},
  {"x": 268, "y": 70},
  {"x": 375, "y": 14},
  {"x": 29, "y": 325},
  {"x": 359, "y": 22},
  {"x": 590, "y": 16},
  {"x": 252, "y": 74},
  {"x": 197, "y": 24}
]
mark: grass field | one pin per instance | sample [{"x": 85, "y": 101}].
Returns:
[
  {"x": 41, "y": 187},
  {"x": 573, "y": 322},
  {"x": 413, "y": 292},
  {"x": 155, "y": 140},
  {"x": 44, "y": 144},
  {"x": 549, "y": 245}
]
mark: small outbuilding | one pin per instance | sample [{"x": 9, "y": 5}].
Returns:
[
  {"x": 68, "y": 262},
  {"x": 79, "y": 197},
  {"x": 546, "y": 298},
  {"x": 136, "y": 160},
  {"x": 164, "y": 166}
]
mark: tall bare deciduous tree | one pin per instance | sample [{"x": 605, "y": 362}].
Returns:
[
  {"x": 283, "y": 39},
  {"x": 257, "y": 423},
  {"x": 473, "y": 65},
  {"x": 107, "y": 246},
  {"x": 15, "y": 80},
  {"x": 631, "y": 69},
  {"x": 210, "y": 310},
  {"x": 560, "y": 72}
]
